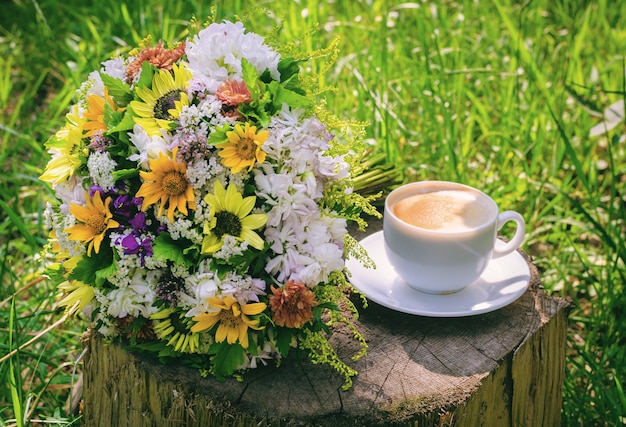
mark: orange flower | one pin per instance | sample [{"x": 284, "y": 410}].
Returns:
[
  {"x": 158, "y": 56},
  {"x": 94, "y": 220},
  {"x": 95, "y": 113},
  {"x": 232, "y": 93},
  {"x": 292, "y": 304},
  {"x": 167, "y": 183}
]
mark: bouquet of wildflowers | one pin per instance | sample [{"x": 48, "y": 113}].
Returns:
[{"x": 203, "y": 201}]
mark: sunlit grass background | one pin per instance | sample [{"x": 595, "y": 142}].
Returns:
[{"x": 501, "y": 95}]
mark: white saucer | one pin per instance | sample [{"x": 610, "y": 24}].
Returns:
[{"x": 505, "y": 280}]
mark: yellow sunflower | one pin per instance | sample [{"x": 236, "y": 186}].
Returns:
[
  {"x": 95, "y": 219},
  {"x": 233, "y": 320},
  {"x": 68, "y": 149},
  {"x": 243, "y": 148},
  {"x": 173, "y": 327},
  {"x": 230, "y": 215},
  {"x": 162, "y": 104},
  {"x": 95, "y": 113},
  {"x": 167, "y": 183}
]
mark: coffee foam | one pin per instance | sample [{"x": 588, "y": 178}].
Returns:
[{"x": 443, "y": 210}]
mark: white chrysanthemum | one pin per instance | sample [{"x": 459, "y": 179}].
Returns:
[
  {"x": 287, "y": 117},
  {"x": 93, "y": 85},
  {"x": 198, "y": 287},
  {"x": 149, "y": 147},
  {"x": 124, "y": 302},
  {"x": 215, "y": 54},
  {"x": 315, "y": 269},
  {"x": 135, "y": 299},
  {"x": 70, "y": 191},
  {"x": 115, "y": 68}
]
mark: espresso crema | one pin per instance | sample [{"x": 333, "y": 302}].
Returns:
[{"x": 443, "y": 210}]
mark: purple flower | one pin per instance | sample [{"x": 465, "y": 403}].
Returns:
[
  {"x": 97, "y": 189},
  {"x": 126, "y": 205},
  {"x": 133, "y": 247},
  {"x": 138, "y": 222},
  {"x": 99, "y": 143}
]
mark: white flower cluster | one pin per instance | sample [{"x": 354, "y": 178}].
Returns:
[
  {"x": 304, "y": 239},
  {"x": 215, "y": 54}
]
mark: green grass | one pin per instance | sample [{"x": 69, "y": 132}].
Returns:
[{"x": 500, "y": 95}]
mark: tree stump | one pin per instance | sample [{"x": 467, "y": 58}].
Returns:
[{"x": 503, "y": 368}]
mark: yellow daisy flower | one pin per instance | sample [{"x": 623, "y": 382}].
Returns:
[
  {"x": 67, "y": 148},
  {"x": 162, "y": 104},
  {"x": 174, "y": 328},
  {"x": 75, "y": 291},
  {"x": 95, "y": 219},
  {"x": 167, "y": 183},
  {"x": 230, "y": 215},
  {"x": 243, "y": 148},
  {"x": 233, "y": 320}
]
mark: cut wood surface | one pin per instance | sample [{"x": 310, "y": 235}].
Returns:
[{"x": 503, "y": 368}]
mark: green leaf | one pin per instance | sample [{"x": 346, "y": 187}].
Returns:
[
  {"x": 249, "y": 74},
  {"x": 127, "y": 123},
  {"x": 88, "y": 269},
  {"x": 282, "y": 95},
  {"x": 104, "y": 273},
  {"x": 167, "y": 249},
  {"x": 250, "y": 262},
  {"x": 218, "y": 136},
  {"x": 147, "y": 74},
  {"x": 118, "y": 90},
  {"x": 283, "y": 340},
  {"x": 227, "y": 358},
  {"x": 125, "y": 174},
  {"x": 288, "y": 68},
  {"x": 111, "y": 117}
]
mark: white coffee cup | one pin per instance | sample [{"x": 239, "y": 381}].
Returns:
[{"x": 440, "y": 236}]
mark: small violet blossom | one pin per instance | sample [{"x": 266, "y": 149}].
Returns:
[{"x": 143, "y": 248}]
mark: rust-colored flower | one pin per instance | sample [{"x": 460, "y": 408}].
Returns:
[
  {"x": 292, "y": 305},
  {"x": 232, "y": 93},
  {"x": 158, "y": 56}
]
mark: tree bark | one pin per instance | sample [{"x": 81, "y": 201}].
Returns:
[{"x": 502, "y": 368}]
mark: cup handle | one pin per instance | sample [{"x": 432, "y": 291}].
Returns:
[{"x": 518, "y": 237}]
